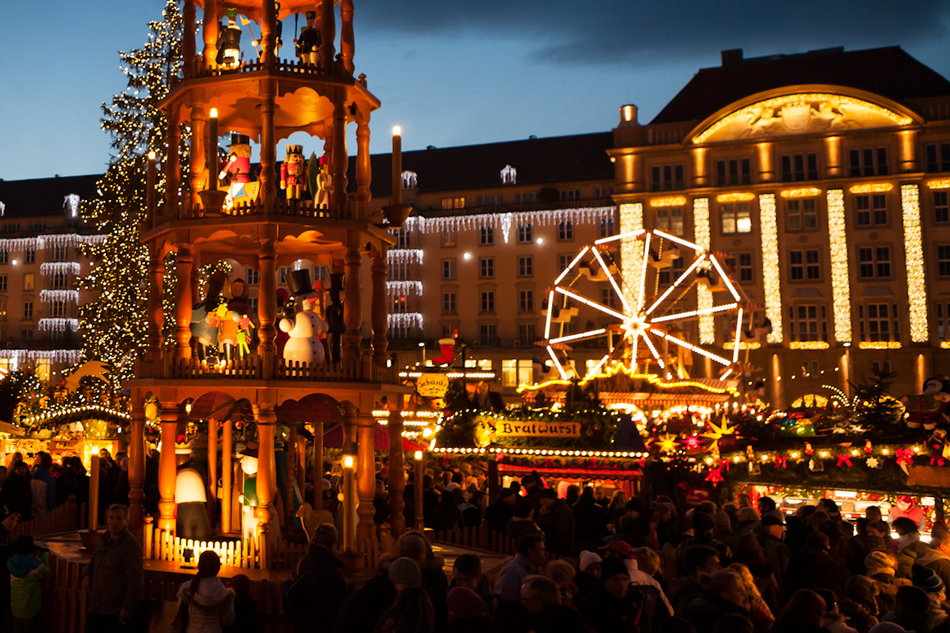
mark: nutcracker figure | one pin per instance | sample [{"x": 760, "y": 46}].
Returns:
[
  {"x": 309, "y": 41},
  {"x": 293, "y": 173},
  {"x": 239, "y": 169},
  {"x": 229, "y": 42}
]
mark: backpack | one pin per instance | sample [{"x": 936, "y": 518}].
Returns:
[{"x": 294, "y": 595}]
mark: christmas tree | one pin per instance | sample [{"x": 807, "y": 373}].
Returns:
[{"x": 113, "y": 322}]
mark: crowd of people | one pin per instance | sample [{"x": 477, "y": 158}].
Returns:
[{"x": 588, "y": 563}]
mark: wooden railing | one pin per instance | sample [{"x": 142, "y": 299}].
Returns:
[
  {"x": 303, "y": 208},
  {"x": 479, "y": 537},
  {"x": 247, "y": 367},
  {"x": 64, "y": 518},
  {"x": 251, "y": 367}
]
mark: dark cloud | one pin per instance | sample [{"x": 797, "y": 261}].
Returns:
[{"x": 630, "y": 31}]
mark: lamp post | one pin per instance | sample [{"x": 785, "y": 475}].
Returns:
[
  {"x": 417, "y": 490},
  {"x": 349, "y": 496}
]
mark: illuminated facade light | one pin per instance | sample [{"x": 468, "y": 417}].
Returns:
[
  {"x": 840, "y": 283},
  {"x": 879, "y": 345},
  {"x": 943, "y": 183},
  {"x": 808, "y": 345},
  {"x": 704, "y": 298},
  {"x": 872, "y": 187},
  {"x": 914, "y": 258},
  {"x": 669, "y": 201},
  {"x": 945, "y": 344},
  {"x": 802, "y": 192},
  {"x": 741, "y": 345},
  {"x": 631, "y": 250},
  {"x": 735, "y": 197},
  {"x": 771, "y": 273}
]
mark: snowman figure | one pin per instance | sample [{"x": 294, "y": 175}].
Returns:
[{"x": 304, "y": 345}]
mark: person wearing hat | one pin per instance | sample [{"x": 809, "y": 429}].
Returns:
[
  {"x": 404, "y": 573},
  {"x": 613, "y": 606},
  {"x": 248, "y": 497},
  {"x": 925, "y": 578},
  {"x": 703, "y": 535},
  {"x": 557, "y": 522},
  {"x": 308, "y": 44},
  {"x": 323, "y": 584},
  {"x": 909, "y": 545},
  {"x": 774, "y": 550},
  {"x": 937, "y": 556},
  {"x": 652, "y": 591},
  {"x": 587, "y": 578}
]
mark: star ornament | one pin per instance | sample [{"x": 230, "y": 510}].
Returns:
[
  {"x": 667, "y": 443},
  {"x": 717, "y": 432},
  {"x": 692, "y": 442},
  {"x": 872, "y": 462}
]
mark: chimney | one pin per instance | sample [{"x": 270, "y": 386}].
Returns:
[
  {"x": 732, "y": 57},
  {"x": 628, "y": 115}
]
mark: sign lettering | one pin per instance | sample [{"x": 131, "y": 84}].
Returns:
[{"x": 516, "y": 428}]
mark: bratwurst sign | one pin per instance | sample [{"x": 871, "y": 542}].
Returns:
[{"x": 537, "y": 429}]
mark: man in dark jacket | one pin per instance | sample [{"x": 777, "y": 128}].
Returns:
[
  {"x": 816, "y": 569},
  {"x": 614, "y": 606},
  {"x": 557, "y": 522},
  {"x": 114, "y": 576},
  {"x": 774, "y": 551},
  {"x": 501, "y": 510},
  {"x": 696, "y": 561},
  {"x": 324, "y": 587},
  {"x": 590, "y": 521}
]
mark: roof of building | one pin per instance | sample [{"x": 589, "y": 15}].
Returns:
[
  {"x": 538, "y": 161},
  {"x": 889, "y": 72},
  {"x": 43, "y": 196}
]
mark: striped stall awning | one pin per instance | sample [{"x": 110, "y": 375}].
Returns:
[
  {"x": 663, "y": 399},
  {"x": 580, "y": 472}
]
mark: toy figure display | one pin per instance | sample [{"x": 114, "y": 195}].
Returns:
[
  {"x": 305, "y": 330},
  {"x": 278, "y": 31},
  {"x": 285, "y": 310},
  {"x": 293, "y": 173},
  {"x": 233, "y": 319},
  {"x": 321, "y": 188},
  {"x": 308, "y": 44},
  {"x": 229, "y": 42},
  {"x": 191, "y": 516},
  {"x": 336, "y": 327},
  {"x": 931, "y": 407},
  {"x": 239, "y": 169},
  {"x": 204, "y": 312},
  {"x": 248, "y": 498}
]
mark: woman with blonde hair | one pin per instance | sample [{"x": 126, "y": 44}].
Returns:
[
  {"x": 759, "y": 611},
  {"x": 563, "y": 574},
  {"x": 617, "y": 508}
]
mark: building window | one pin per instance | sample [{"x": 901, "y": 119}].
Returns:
[
  {"x": 797, "y": 167},
  {"x": 27, "y": 334},
  {"x": 449, "y": 238},
  {"x": 571, "y": 194},
  {"x": 733, "y": 172},
  {"x": 667, "y": 178},
  {"x": 878, "y": 322},
  {"x": 399, "y": 271},
  {"x": 400, "y": 305},
  {"x": 29, "y": 279},
  {"x": 321, "y": 273},
  {"x": 488, "y": 302},
  {"x": 11, "y": 227},
  {"x": 493, "y": 200},
  {"x": 526, "y": 301},
  {"x": 605, "y": 227},
  {"x": 608, "y": 298},
  {"x": 525, "y": 266},
  {"x": 252, "y": 304},
  {"x": 486, "y": 267},
  {"x": 57, "y": 309},
  {"x": 453, "y": 203},
  {"x": 448, "y": 303},
  {"x": 563, "y": 261},
  {"x": 801, "y": 214},
  {"x": 526, "y": 334},
  {"x": 871, "y": 210},
  {"x": 807, "y": 323},
  {"x": 736, "y": 217},
  {"x": 526, "y": 198},
  {"x": 943, "y": 260},
  {"x": 58, "y": 281},
  {"x": 253, "y": 276},
  {"x": 4, "y": 256},
  {"x": 938, "y": 157},
  {"x": 874, "y": 262},
  {"x": 29, "y": 256},
  {"x": 603, "y": 192},
  {"x": 804, "y": 266},
  {"x": 670, "y": 219},
  {"x": 284, "y": 271},
  {"x": 516, "y": 372},
  {"x": 868, "y": 162},
  {"x": 3, "y": 308},
  {"x": 399, "y": 331},
  {"x": 941, "y": 208},
  {"x": 565, "y": 231},
  {"x": 402, "y": 237},
  {"x": 3, "y": 283},
  {"x": 448, "y": 269},
  {"x": 741, "y": 264},
  {"x": 27, "y": 309},
  {"x": 943, "y": 320},
  {"x": 524, "y": 233},
  {"x": 487, "y": 334},
  {"x": 60, "y": 253},
  {"x": 486, "y": 236},
  {"x": 672, "y": 273},
  {"x": 37, "y": 227}
]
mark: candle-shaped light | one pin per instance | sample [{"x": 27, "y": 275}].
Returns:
[
  {"x": 397, "y": 166},
  {"x": 150, "y": 186},
  {"x": 213, "y": 150}
]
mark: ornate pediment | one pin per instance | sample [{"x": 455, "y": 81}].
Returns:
[{"x": 800, "y": 113}]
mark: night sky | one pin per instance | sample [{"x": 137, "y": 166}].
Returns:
[{"x": 449, "y": 72}]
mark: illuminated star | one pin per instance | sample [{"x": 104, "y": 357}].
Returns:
[
  {"x": 693, "y": 442},
  {"x": 717, "y": 432},
  {"x": 872, "y": 462},
  {"x": 667, "y": 443}
]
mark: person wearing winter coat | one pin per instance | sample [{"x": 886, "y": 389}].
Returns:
[
  {"x": 28, "y": 567},
  {"x": 210, "y": 603},
  {"x": 320, "y": 574},
  {"x": 42, "y": 486},
  {"x": 114, "y": 576}
]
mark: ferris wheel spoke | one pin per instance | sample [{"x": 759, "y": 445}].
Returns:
[
  {"x": 593, "y": 304},
  {"x": 596, "y": 368},
  {"x": 653, "y": 351},
  {"x": 679, "y": 280},
  {"x": 678, "y": 240},
  {"x": 643, "y": 273},
  {"x": 580, "y": 336},
  {"x": 571, "y": 265},
  {"x": 695, "y": 313},
  {"x": 693, "y": 348},
  {"x": 547, "y": 322},
  {"x": 557, "y": 363},
  {"x": 735, "y": 345},
  {"x": 613, "y": 282},
  {"x": 621, "y": 236},
  {"x": 725, "y": 277}
]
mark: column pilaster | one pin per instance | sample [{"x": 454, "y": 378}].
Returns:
[
  {"x": 266, "y": 468},
  {"x": 365, "y": 478},
  {"x": 172, "y": 164},
  {"x": 183, "y": 303},
  {"x": 199, "y": 151},
  {"x": 167, "y": 471},
  {"x": 267, "y": 306},
  {"x": 209, "y": 23},
  {"x": 347, "y": 40},
  {"x": 137, "y": 468},
  {"x": 364, "y": 171},
  {"x": 339, "y": 181},
  {"x": 380, "y": 308},
  {"x": 188, "y": 38},
  {"x": 327, "y": 52},
  {"x": 156, "y": 316},
  {"x": 352, "y": 307},
  {"x": 397, "y": 471},
  {"x": 268, "y": 175}
]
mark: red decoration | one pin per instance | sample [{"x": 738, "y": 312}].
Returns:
[
  {"x": 844, "y": 459},
  {"x": 715, "y": 476},
  {"x": 781, "y": 462},
  {"x": 692, "y": 442},
  {"x": 867, "y": 447},
  {"x": 936, "y": 458},
  {"x": 904, "y": 456},
  {"x": 808, "y": 449}
]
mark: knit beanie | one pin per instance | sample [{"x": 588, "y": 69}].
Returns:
[
  {"x": 462, "y": 602},
  {"x": 877, "y": 560},
  {"x": 612, "y": 567},
  {"x": 405, "y": 571},
  {"x": 588, "y": 559},
  {"x": 925, "y": 578}
]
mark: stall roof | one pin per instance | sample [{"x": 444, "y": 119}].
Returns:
[{"x": 333, "y": 438}]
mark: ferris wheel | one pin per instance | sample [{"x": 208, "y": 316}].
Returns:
[{"x": 651, "y": 314}]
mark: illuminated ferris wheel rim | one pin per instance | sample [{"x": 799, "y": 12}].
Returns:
[{"x": 636, "y": 323}]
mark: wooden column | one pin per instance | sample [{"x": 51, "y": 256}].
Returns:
[
  {"x": 167, "y": 470},
  {"x": 137, "y": 468},
  {"x": 212, "y": 469},
  {"x": 318, "y": 465},
  {"x": 301, "y": 466},
  {"x": 292, "y": 439},
  {"x": 347, "y": 41},
  {"x": 172, "y": 165},
  {"x": 397, "y": 471},
  {"x": 268, "y": 35},
  {"x": 352, "y": 308},
  {"x": 266, "y": 468},
  {"x": 338, "y": 181},
  {"x": 227, "y": 447},
  {"x": 419, "y": 472},
  {"x": 268, "y": 175},
  {"x": 156, "y": 316},
  {"x": 267, "y": 307},
  {"x": 366, "y": 479},
  {"x": 188, "y": 39},
  {"x": 195, "y": 281},
  {"x": 183, "y": 303},
  {"x": 364, "y": 171},
  {"x": 199, "y": 151},
  {"x": 327, "y": 34},
  {"x": 210, "y": 23},
  {"x": 350, "y": 498},
  {"x": 380, "y": 308}
]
